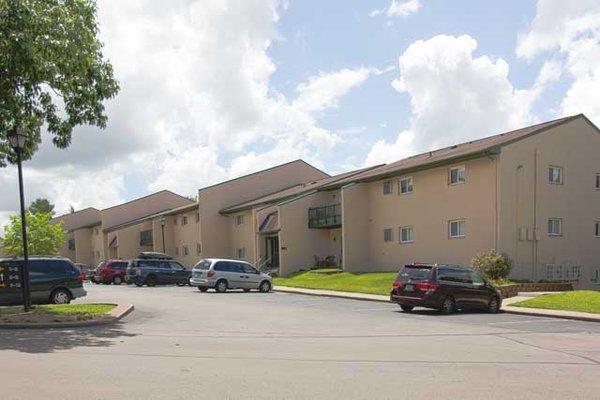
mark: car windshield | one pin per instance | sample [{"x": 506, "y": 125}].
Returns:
[
  {"x": 203, "y": 264},
  {"x": 413, "y": 273}
]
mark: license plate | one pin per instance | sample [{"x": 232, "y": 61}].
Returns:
[{"x": 409, "y": 288}]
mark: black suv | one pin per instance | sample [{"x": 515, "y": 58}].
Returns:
[
  {"x": 444, "y": 287},
  {"x": 51, "y": 280},
  {"x": 152, "y": 272}
]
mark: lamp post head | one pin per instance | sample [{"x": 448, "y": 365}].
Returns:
[
  {"x": 17, "y": 138},
  {"x": 162, "y": 221}
]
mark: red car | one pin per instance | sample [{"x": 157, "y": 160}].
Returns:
[{"x": 112, "y": 271}]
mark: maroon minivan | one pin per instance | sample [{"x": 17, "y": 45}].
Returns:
[{"x": 112, "y": 271}]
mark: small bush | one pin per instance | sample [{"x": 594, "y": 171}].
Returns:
[{"x": 493, "y": 264}]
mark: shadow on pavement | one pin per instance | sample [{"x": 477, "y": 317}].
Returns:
[{"x": 49, "y": 340}]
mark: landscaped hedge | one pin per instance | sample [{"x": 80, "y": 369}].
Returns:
[{"x": 512, "y": 290}]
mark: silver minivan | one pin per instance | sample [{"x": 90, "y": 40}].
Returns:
[{"x": 222, "y": 274}]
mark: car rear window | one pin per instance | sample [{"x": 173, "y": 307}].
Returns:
[
  {"x": 414, "y": 273},
  {"x": 203, "y": 265}
]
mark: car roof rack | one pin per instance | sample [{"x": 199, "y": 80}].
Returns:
[{"x": 152, "y": 255}]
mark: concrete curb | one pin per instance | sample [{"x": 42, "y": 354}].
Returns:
[
  {"x": 537, "y": 312},
  {"x": 332, "y": 293},
  {"x": 542, "y": 312},
  {"x": 120, "y": 311}
]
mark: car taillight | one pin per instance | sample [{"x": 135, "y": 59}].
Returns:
[
  {"x": 427, "y": 286},
  {"x": 397, "y": 284},
  {"x": 210, "y": 273},
  {"x": 81, "y": 277}
]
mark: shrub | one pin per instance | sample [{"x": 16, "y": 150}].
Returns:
[{"x": 492, "y": 264}]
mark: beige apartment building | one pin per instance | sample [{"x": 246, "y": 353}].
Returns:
[{"x": 533, "y": 193}]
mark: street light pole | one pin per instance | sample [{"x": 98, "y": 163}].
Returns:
[
  {"x": 162, "y": 229},
  {"x": 17, "y": 140}
]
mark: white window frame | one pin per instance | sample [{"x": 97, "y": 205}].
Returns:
[
  {"x": 239, "y": 220},
  {"x": 459, "y": 168},
  {"x": 595, "y": 276},
  {"x": 412, "y": 234},
  {"x": 560, "y": 227},
  {"x": 385, "y": 235},
  {"x": 385, "y": 185},
  {"x": 464, "y": 230},
  {"x": 561, "y": 175},
  {"x": 411, "y": 185}
]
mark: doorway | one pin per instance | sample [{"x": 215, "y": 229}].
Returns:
[{"x": 272, "y": 250}]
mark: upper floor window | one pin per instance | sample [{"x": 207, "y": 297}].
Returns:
[
  {"x": 456, "y": 228},
  {"x": 597, "y": 229},
  {"x": 406, "y": 234},
  {"x": 457, "y": 175},
  {"x": 71, "y": 244},
  {"x": 555, "y": 227},
  {"x": 555, "y": 175},
  {"x": 184, "y": 220},
  {"x": 197, "y": 217},
  {"x": 598, "y": 181},
  {"x": 405, "y": 185},
  {"x": 239, "y": 219},
  {"x": 388, "y": 235},
  {"x": 387, "y": 187},
  {"x": 146, "y": 238}
]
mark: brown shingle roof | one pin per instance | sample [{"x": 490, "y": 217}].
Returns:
[
  {"x": 447, "y": 154},
  {"x": 79, "y": 219},
  {"x": 292, "y": 191}
]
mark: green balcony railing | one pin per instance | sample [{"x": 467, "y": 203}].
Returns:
[{"x": 325, "y": 217}]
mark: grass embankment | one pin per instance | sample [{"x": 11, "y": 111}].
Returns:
[
  {"x": 55, "y": 313},
  {"x": 579, "y": 300},
  {"x": 371, "y": 282}
]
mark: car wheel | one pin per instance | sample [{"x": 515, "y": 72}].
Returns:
[
  {"x": 448, "y": 306},
  {"x": 265, "y": 287},
  {"x": 221, "y": 286},
  {"x": 139, "y": 284},
  {"x": 151, "y": 281},
  {"x": 202, "y": 289},
  {"x": 406, "y": 307},
  {"x": 60, "y": 296},
  {"x": 117, "y": 280},
  {"x": 494, "y": 305},
  {"x": 181, "y": 283},
  {"x": 246, "y": 290}
]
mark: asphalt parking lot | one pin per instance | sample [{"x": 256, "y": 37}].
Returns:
[{"x": 183, "y": 344}]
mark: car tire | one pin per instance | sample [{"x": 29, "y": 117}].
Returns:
[
  {"x": 60, "y": 296},
  {"x": 221, "y": 286},
  {"x": 264, "y": 287},
  {"x": 150, "y": 281},
  {"x": 494, "y": 305},
  {"x": 406, "y": 307},
  {"x": 246, "y": 290},
  {"x": 202, "y": 289},
  {"x": 448, "y": 306},
  {"x": 139, "y": 284},
  {"x": 117, "y": 280}
]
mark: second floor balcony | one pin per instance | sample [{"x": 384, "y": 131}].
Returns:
[{"x": 325, "y": 217}]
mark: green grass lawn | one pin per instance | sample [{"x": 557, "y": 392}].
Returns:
[
  {"x": 62, "y": 309},
  {"x": 579, "y": 300},
  {"x": 372, "y": 282}
]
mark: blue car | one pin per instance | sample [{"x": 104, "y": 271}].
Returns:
[{"x": 152, "y": 272}]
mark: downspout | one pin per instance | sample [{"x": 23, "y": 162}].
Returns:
[{"x": 535, "y": 227}]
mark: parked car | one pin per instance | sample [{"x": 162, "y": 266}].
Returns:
[
  {"x": 51, "y": 280},
  {"x": 111, "y": 271},
  {"x": 152, "y": 272},
  {"x": 222, "y": 274},
  {"x": 153, "y": 255},
  {"x": 85, "y": 269},
  {"x": 444, "y": 287}
]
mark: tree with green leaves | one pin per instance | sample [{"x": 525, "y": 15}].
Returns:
[
  {"x": 43, "y": 237},
  {"x": 41, "y": 205},
  {"x": 52, "y": 71}
]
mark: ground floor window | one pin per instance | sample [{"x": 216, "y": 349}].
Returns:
[
  {"x": 198, "y": 248},
  {"x": 596, "y": 276},
  {"x": 388, "y": 235},
  {"x": 555, "y": 227},
  {"x": 456, "y": 228},
  {"x": 241, "y": 252},
  {"x": 406, "y": 234},
  {"x": 186, "y": 250}
]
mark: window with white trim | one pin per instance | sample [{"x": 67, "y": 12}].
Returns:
[
  {"x": 555, "y": 175},
  {"x": 457, "y": 175},
  {"x": 387, "y": 187},
  {"x": 405, "y": 185},
  {"x": 388, "y": 235},
  {"x": 239, "y": 219},
  {"x": 596, "y": 276},
  {"x": 184, "y": 220},
  {"x": 241, "y": 252},
  {"x": 555, "y": 227},
  {"x": 406, "y": 234},
  {"x": 456, "y": 228}
]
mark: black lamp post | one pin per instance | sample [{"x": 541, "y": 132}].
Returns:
[
  {"x": 162, "y": 229},
  {"x": 17, "y": 139}
]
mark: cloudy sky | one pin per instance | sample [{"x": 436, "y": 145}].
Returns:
[{"x": 213, "y": 89}]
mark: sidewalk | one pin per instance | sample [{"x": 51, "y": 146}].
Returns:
[{"x": 505, "y": 303}]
